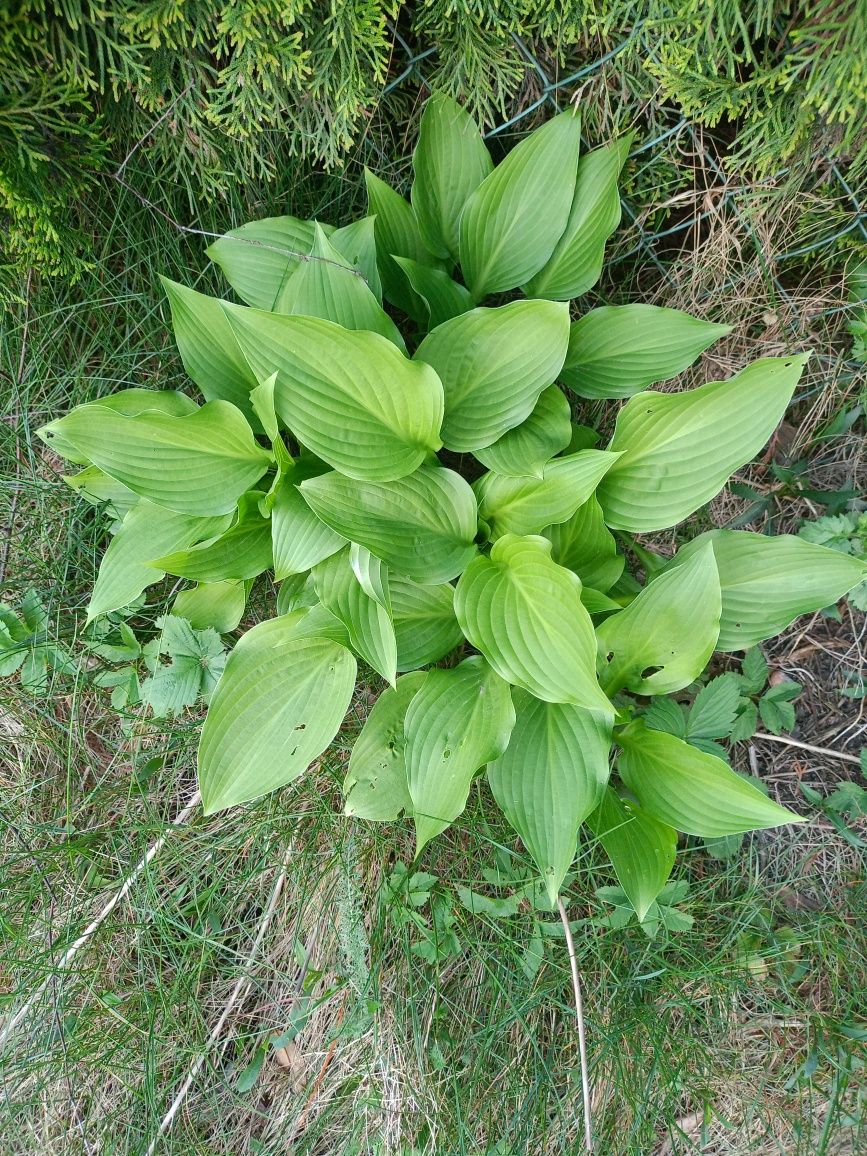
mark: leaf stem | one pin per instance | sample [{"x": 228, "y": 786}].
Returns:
[{"x": 582, "y": 1038}]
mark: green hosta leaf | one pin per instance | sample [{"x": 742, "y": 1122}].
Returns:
[
  {"x": 665, "y": 636},
  {"x": 352, "y": 398},
  {"x": 371, "y": 633},
  {"x": 208, "y": 347},
  {"x": 459, "y": 720},
  {"x": 100, "y": 489},
  {"x": 528, "y": 447},
  {"x": 197, "y": 464},
  {"x": 584, "y": 543},
  {"x": 424, "y": 622},
  {"x": 512, "y": 222},
  {"x": 299, "y": 538},
  {"x": 442, "y": 296},
  {"x": 327, "y": 286},
  {"x": 617, "y": 350},
  {"x": 524, "y": 613},
  {"x": 375, "y": 786},
  {"x": 493, "y": 364},
  {"x": 679, "y": 449},
  {"x": 357, "y": 243},
  {"x": 372, "y": 574},
  {"x": 692, "y": 791},
  {"x": 768, "y": 582},
  {"x": 126, "y": 570},
  {"x": 576, "y": 262},
  {"x": 258, "y": 257},
  {"x": 277, "y": 707},
  {"x": 713, "y": 712},
  {"x": 397, "y": 235},
  {"x": 422, "y": 526},
  {"x": 450, "y": 162},
  {"x": 641, "y": 849},
  {"x": 219, "y": 605},
  {"x": 242, "y": 551},
  {"x": 527, "y": 505},
  {"x": 550, "y": 777}
]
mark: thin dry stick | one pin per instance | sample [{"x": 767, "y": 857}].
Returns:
[
  {"x": 235, "y": 995},
  {"x": 579, "y": 1015},
  {"x": 808, "y": 747},
  {"x": 96, "y": 923}
]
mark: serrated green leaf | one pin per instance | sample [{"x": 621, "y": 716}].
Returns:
[
  {"x": 219, "y": 605},
  {"x": 641, "y": 849},
  {"x": 713, "y": 711},
  {"x": 576, "y": 262},
  {"x": 524, "y": 613},
  {"x": 528, "y": 505},
  {"x": 126, "y": 570},
  {"x": 459, "y": 720},
  {"x": 512, "y": 222},
  {"x": 450, "y": 162},
  {"x": 350, "y": 397},
  {"x": 663, "y": 639},
  {"x": 768, "y": 582},
  {"x": 197, "y": 464},
  {"x": 327, "y": 286},
  {"x": 550, "y": 777},
  {"x": 778, "y": 715},
  {"x": 690, "y": 790},
  {"x": 493, "y": 364},
  {"x": 584, "y": 544},
  {"x": 499, "y": 908},
  {"x": 424, "y": 622},
  {"x": 527, "y": 448},
  {"x": 746, "y": 723},
  {"x": 371, "y": 633},
  {"x": 243, "y": 551},
  {"x": 278, "y": 705},
  {"x": 617, "y": 350},
  {"x": 754, "y": 669},
  {"x": 256, "y": 258},
  {"x": 375, "y": 787},
  {"x": 679, "y": 449},
  {"x": 664, "y": 714},
  {"x": 208, "y": 347},
  {"x": 442, "y": 297},
  {"x": 422, "y": 526}
]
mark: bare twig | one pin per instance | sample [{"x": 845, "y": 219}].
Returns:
[
  {"x": 582, "y": 1038},
  {"x": 826, "y": 751},
  {"x": 239, "y": 988},
  {"x": 97, "y": 922}
]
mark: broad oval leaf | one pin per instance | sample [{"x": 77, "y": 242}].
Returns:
[
  {"x": 576, "y": 262},
  {"x": 641, "y": 849},
  {"x": 209, "y": 348},
  {"x": 422, "y": 526},
  {"x": 664, "y": 638},
  {"x": 352, "y": 398},
  {"x": 450, "y": 162},
  {"x": 219, "y": 605},
  {"x": 368, "y": 623},
  {"x": 550, "y": 777},
  {"x": 197, "y": 464},
  {"x": 99, "y": 489},
  {"x": 512, "y": 222},
  {"x": 243, "y": 551},
  {"x": 298, "y": 537},
  {"x": 256, "y": 258},
  {"x": 584, "y": 543},
  {"x": 357, "y": 243},
  {"x": 424, "y": 621},
  {"x": 397, "y": 235},
  {"x": 690, "y": 790},
  {"x": 679, "y": 449},
  {"x": 126, "y": 401},
  {"x": 372, "y": 574},
  {"x": 442, "y": 296},
  {"x": 617, "y": 350},
  {"x": 278, "y": 705},
  {"x": 768, "y": 582},
  {"x": 126, "y": 570},
  {"x": 375, "y": 786},
  {"x": 459, "y": 720},
  {"x": 527, "y": 505},
  {"x": 528, "y": 447},
  {"x": 493, "y": 364},
  {"x": 524, "y": 613},
  {"x": 327, "y": 286}
]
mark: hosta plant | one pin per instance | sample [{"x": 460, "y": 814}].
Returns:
[{"x": 388, "y": 431}]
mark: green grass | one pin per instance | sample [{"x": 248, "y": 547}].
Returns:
[{"x": 744, "y": 1034}]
